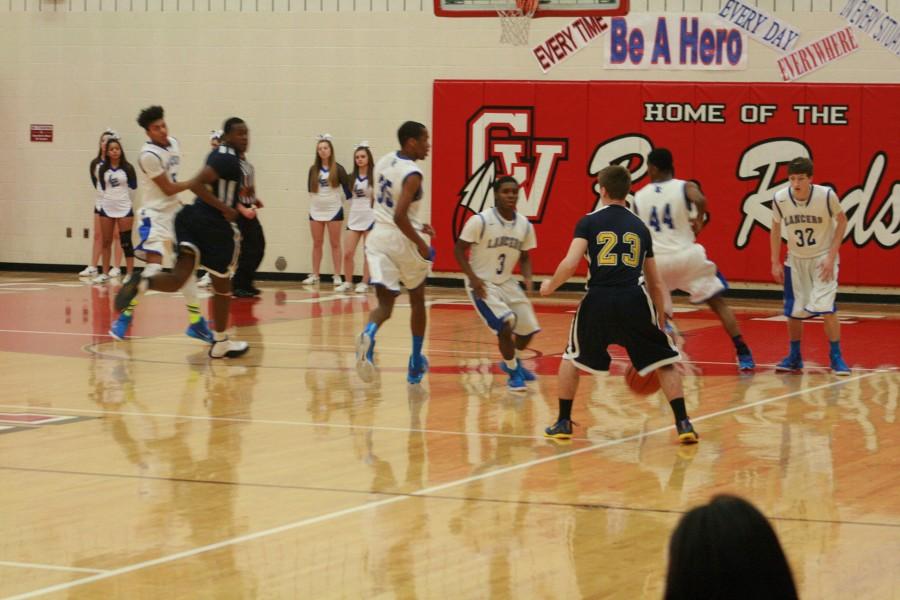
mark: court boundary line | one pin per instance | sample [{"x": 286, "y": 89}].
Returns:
[
  {"x": 25, "y": 565},
  {"x": 422, "y": 493}
]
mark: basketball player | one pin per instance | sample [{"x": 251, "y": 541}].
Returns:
[
  {"x": 158, "y": 162},
  {"x": 616, "y": 308},
  {"x": 206, "y": 234},
  {"x": 665, "y": 206},
  {"x": 396, "y": 251},
  {"x": 815, "y": 224},
  {"x": 499, "y": 238}
]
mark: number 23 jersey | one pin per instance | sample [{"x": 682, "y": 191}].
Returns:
[
  {"x": 808, "y": 226},
  {"x": 497, "y": 244}
]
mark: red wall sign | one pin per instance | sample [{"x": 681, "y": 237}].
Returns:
[
  {"x": 734, "y": 139},
  {"x": 42, "y": 133}
]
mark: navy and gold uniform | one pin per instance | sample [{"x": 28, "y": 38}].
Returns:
[
  {"x": 202, "y": 228},
  {"x": 617, "y": 308}
]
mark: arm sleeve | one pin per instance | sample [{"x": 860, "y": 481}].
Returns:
[
  {"x": 309, "y": 178},
  {"x": 583, "y": 229},
  {"x": 132, "y": 177},
  {"x": 93, "y": 169},
  {"x": 344, "y": 179},
  {"x": 151, "y": 164},
  {"x": 530, "y": 240},
  {"x": 471, "y": 231}
]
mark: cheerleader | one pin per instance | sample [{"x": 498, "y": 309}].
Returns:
[
  {"x": 328, "y": 187},
  {"x": 117, "y": 184},
  {"x": 361, "y": 218}
]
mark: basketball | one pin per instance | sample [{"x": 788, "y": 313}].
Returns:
[
  {"x": 641, "y": 385},
  {"x": 527, "y": 6}
]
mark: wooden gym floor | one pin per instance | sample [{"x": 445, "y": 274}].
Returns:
[{"x": 141, "y": 469}]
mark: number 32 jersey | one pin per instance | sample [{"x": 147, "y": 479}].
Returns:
[
  {"x": 497, "y": 244},
  {"x": 808, "y": 226},
  {"x": 391, "y": 172}
]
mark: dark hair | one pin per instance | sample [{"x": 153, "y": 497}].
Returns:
[
  {"x": 149, "y": 115},
  {"x": 727, "y": 549},
  {"x": 369, "y": 169},
  {"x": 99, "y": 148},
  {"x": 410, "y": 129},
  {"x": 498, "y": 183},
  {"x": 800, "y": 166},
  {"x": 123, "y": 164},
  {"x": 230, "y": 124},
  {"x": 661, "y": 158},
  {"x": 616, "y": 180}
]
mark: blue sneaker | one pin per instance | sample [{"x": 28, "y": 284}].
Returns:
[
  {"x": 120, "y": 327},
  {"x": 200, "y": 331},
  {"x": 415, "y": 372},
  {"x": 745, "y": 362},
  {"x": 790, "y": 363},
  {"x": 838, "y": 366},
  {"x": 516, "y": 382},
  {"x": 365, "y": 357},
  {"x": 526, "y": 374}
]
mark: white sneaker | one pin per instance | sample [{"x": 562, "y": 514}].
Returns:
[
  {"x": 101, "y": 278},
  {"x": 344, "y": 287},
  {"x": 204, "y": 281},
  {"x": 362, "y": 287},
  {"x": 228, "y": 349},
  {"x": 115, "y": 272},
  {"x": 337, "y": 280},
  {"x": 88, "y": 272},
  {"x": 311, "y": 280}
]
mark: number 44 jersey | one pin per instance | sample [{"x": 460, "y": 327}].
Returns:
[
  {"x": 497, "y": 243},
  {"x": 808, "y": 226},
  {"x": 665, "y": 209}
]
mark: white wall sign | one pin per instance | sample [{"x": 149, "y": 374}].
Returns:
[{"x": 761, "y": 25}]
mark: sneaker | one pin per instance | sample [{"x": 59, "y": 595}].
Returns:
[
  {"x": 516, "y": 382},
  {"x": 228, "y": 349},
  {"x": 88, "y": 272},
  {"x": 838, "y": 366},
  {"x": 100, "y": 279},
  {"x": 311, "y": 280},
  {"x": 686, "y": 433},
  {"x": 561, "y": 430},
  {"x": 361, "y": 288},
  {"x": 414, "y": 372},
  {"x": 204, "y": 281},
  {"x": 365, "y": 357},
  {"x": 789, "y": 364},
  {"x": 344, "y": 287},
  {"x": 127, "y": 292},
  {"x": 200, "y": 331},
  {"x": 255, "y": 290},
  {"x": 242, "y": 293},
  {"x": 115, "y": 272},
  {"x": 337, "y": 280},
  {"x": 745, "y": 362},
  {"x": 120, "y": 327},
  {"x": 526, "y": 374}
]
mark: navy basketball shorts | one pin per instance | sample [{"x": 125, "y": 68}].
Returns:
[
  {"x": 622, "y": 316},
  {"x": 214, "y": 241}
]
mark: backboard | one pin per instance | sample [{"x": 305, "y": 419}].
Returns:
[{"x": 546, "y": 8}]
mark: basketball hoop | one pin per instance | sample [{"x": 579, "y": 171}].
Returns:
[{"x": 516, "y": 22}]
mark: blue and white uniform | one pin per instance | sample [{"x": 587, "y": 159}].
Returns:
[
  {"x": 157, "y": 214},
  {"x": 117, "y": 188},
  {"x": 362, "y": 215},
  {"x": 496, "y": 245},
  {"x": 327, "y": 204}
]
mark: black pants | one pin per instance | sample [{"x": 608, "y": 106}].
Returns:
[{"x": 253, "y": 246}]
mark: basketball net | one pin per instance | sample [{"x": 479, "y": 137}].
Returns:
[{"x": 515, "y": 25}]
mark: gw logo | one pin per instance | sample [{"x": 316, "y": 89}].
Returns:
[{"x": 500, "y": 141}]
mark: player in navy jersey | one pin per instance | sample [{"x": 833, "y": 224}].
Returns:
[
  {"x": 617, "y": 308},
  {"x": 206, "y": 235}
]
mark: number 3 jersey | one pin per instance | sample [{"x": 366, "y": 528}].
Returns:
[
  {"x": 391, "y": 172},
  {"x": 497, "y": 243},
  {"x": 665, "y": 209},
  {"x": 808, "y": 226}
]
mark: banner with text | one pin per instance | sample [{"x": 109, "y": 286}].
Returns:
[
  {"x": 699, "y": 41},
  {"x": 764, "y": 27},
  {"x": 568, "y": 40},
  {"x": 734, "y": 139}
]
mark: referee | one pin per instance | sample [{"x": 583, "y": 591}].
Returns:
[{"x": 253, "y": 242}]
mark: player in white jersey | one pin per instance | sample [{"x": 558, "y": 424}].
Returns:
[
  {"x": 396, "y": 250},
  {"x": 498, "y": 239},
  {"x": 814, "y": 225},
  {"x": 361, "y": 218},
  {"x": 158, "y": 169},
  {"x": 665, "y": 206}
]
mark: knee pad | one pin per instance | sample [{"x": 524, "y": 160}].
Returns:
[
  {"x": 151, "y": 269},
  {"x": 125, "y": 241}
]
